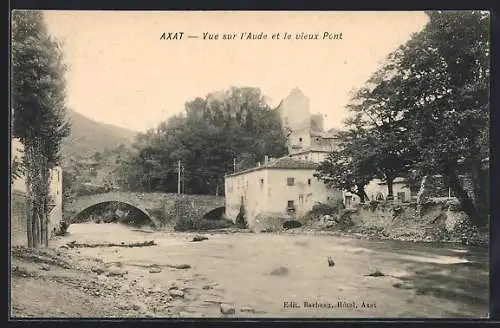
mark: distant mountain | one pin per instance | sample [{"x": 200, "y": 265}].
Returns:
[{"x": 88, "y": 137}]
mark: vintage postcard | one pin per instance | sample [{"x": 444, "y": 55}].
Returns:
[{"x": 217, "y": 164}]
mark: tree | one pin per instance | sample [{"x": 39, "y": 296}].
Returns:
[
  {"x": 377, "y": 123},
  {"x": 16, "y": 169},
  {"x": 347, "y": 168},
  {"x": 235, "y": 124},
  {"x": 38, "y": 97},
  {"x": 444, "y": 88}
]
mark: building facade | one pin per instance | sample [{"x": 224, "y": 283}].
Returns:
[
  {"x": 305, "y": 131},
  {"x": 18, "y": 201},
  {"x": 283, "y": 187},
  {"x": 377, "y": 190},
  {"x": 286, "y": 187}
]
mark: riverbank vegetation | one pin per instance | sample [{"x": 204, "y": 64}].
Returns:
[
  {"x": 38, "y": 115},
  {"x": 425, "y": 111},
  {"x": 215, "y": 135}
]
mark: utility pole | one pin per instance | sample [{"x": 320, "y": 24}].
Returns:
[
  {"x": 179, "y": 177},
  {"x": 183, "y": 190}
]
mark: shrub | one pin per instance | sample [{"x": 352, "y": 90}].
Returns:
[
  {"x": 321, "y": 209},
  {"x": 373, "y": 205},
  {"x": 344, "y": 219},
  {"x": 62, "y": 229},
  {"x": 240, "y": 219}
]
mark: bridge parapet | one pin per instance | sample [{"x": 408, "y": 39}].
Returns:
[{"x": 160, "y": 207}]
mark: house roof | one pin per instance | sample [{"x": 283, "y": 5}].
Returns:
[
  {"x": 285, "y": 163},
  {"x": 310, "y": 150},
  {"x": 326, "y": 135},
  {"x": 291, "y": 163}
]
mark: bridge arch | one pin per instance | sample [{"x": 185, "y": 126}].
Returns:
[
  {"x": 215, "y": 213},
  {"x": 160, "y": 207},
  {"x": 155, "y": 223}
]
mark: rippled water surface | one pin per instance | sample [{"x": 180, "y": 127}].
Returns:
[{"x": 263, "y": 271}]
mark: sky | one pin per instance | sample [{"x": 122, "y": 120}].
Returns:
[{"x": 121, "y": 72}]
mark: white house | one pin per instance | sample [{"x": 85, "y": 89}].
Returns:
[
  {"x": 286, "y": 187},
  {"x": 377, "y": 190},
  {"x": 18, "y": 201},
  {"x": 280, "y": 187}
]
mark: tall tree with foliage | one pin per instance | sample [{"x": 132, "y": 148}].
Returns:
[
  {"x": 426, "y": 110},
  {"x": 213, "y": 133},
  {"x": 377, "y": 121},
  {"x": 349, "y": 167},
  {"x": 444, "y": 88},
  {"x": 38, "y": 101}
]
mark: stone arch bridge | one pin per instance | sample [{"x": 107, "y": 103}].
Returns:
[{"x": 161, "y": 208}]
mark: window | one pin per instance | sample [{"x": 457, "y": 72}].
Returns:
[
  {"x": 309, "y": 181},
  {"x": 261, "y": 181},
  {"x": 348, "y": 200},
  {"x": 290, "y": 206},
  {"x": 290, "y": 181},
  {"x": 300, "y": 139}
]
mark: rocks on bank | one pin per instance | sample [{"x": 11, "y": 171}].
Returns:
[{"x": 432, "y": 221}]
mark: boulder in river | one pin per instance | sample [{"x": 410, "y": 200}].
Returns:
[
  {"x": 44, "y": 267},
  {"x": 199, "y": 238},
  {"x": 155, "y": 270},
  {"x": 377, "y": 273},
  {"x": 179, "y": 266},
  {"x": 247, "y": 309},
  {"x": 227, "y": 309},
  {"x": 176, "y": 293},
  {"x": 97, "y": 269},
  {"x": 116, "y": 272}
]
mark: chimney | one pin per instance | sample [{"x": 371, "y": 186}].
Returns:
[{"x": 266, "y": 160}]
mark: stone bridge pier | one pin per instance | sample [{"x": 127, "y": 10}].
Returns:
[{"x": 161, "y": 208}]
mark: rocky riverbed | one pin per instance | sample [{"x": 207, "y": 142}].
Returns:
[{"x": 244, "y": 275}]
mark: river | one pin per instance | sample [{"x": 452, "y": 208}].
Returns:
[{"x": 263, "y": 271}]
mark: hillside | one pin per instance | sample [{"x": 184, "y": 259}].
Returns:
[{"x": 88, "y": 136}]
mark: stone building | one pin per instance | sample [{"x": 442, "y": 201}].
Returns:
[
  {"x": 431, "y": 187},
  {"x": 18, "y": 201},
  {"x": 285, "y": 187},
  {"x": 306, "y": 137},
  {"x": 282, "y": 188}
]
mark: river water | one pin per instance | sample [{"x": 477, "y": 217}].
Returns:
[{"x": 263, "y": 271}]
